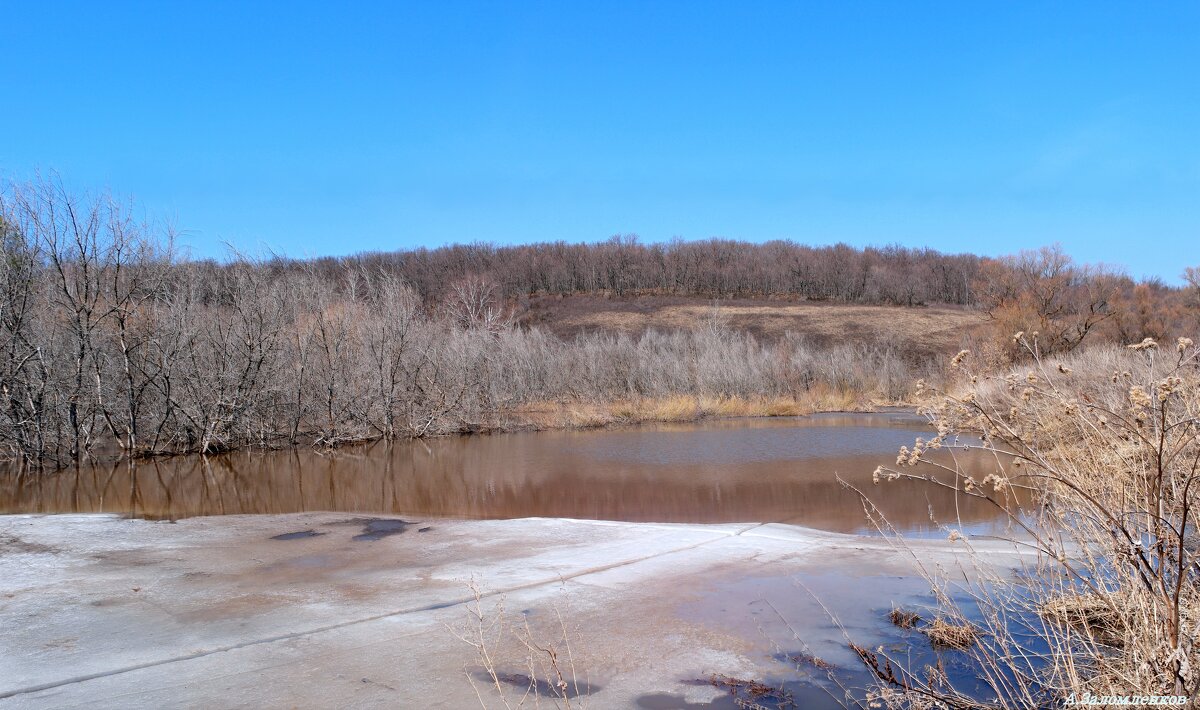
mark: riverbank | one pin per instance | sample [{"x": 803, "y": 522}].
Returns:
[
  {"x": 560, "y": 415},
  {"x": 329, "y": 609},
  {"x": 686, "y": 408}
]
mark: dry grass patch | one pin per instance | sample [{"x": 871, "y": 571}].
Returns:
[
  {"x": 752, "y": 693},
  {"x": 1097, "y": 466},
  {"x": 684, "y": 408},
  {"x": 949, "y": 635},
  {"x": 928, "y": 330},
  {"x": 904, "y": 619},
  {"x": 1091, "y": 614}
]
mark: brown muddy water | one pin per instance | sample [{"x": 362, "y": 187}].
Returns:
[{"x": 737, "y": 470}]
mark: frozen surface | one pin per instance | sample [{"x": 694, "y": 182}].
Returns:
[{"x": 326, "y": 609}]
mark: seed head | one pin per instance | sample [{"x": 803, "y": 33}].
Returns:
[
  {"x": 999, "y": 483},
  {"x": 1138, "y": 397},
  {"x": 1167, "y": 387}
]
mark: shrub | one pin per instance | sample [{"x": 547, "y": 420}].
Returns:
[{"x": 1105, "y": 443}]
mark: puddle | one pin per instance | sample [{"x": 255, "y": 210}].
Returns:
[
  {"x": 379, "y": 528},
  {"x": 297, "y": 535},
  {"x": 809, "y": 641}
]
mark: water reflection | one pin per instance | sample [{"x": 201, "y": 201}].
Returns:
[{"x": 719, "y": 471}]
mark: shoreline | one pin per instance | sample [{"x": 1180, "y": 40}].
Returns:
[{"x": 548, "y": 416}]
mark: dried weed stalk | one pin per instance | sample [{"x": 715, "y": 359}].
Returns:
[
  {"x": 1098, "y": 471},
  {"x": 548, "y": 672}
]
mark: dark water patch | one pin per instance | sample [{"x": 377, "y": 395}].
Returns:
[
  {"x": 427, "y": 528},
  {"x": 300, "y": 535},
  {"x": 542, "y": 688},
  {"x": 875, "y": 611},
  {"x": 379, "y": 528}
]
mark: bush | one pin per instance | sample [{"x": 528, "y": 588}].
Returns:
[{"x": 1105, "y": 442}]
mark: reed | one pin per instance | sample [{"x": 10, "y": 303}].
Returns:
[{"x": 1105, "y": 443}]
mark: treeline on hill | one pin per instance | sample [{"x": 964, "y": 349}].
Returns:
[
  {"x": 714, "y": 268},
  {"x": 111, "y": 342}
]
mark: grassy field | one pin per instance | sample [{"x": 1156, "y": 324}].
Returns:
[{"x": 920, "y": 331}]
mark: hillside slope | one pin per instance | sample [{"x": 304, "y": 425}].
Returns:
[{"x": 924, "y": 331}]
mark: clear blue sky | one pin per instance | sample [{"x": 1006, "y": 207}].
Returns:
[{"x": 330, "y": 128}]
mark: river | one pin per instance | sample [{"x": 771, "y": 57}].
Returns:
[{"x": 713, "y": 471}]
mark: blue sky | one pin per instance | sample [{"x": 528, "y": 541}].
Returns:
[{"x": 331, "y": 128}]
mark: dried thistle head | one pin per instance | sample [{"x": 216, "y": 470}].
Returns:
[
  {"x": 1183, "y": 344},
  {"x": 958, "y": 359},
  {"x": 1167, "y": 387},
  {"x": 1146, "y": 344},
  {"x": 1138, "y": 397},
  {"x": 999, "y": 483}
]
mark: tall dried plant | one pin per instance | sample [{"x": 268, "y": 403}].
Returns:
[{"x": 1097, "y": 466}]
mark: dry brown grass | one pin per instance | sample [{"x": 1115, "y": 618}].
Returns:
[
  {"x": 904, "y": 619},
  {"x": 685, "y": 408},
  {"x": 951, "y": 635},
  {"x": 1104, "y": 446},
  {"x": 752, "y": 693},
  {"x": 1091, "y": 614},
  {"x": 926, "y": 330}
]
